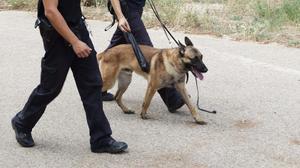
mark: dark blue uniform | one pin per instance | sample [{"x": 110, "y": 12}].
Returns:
[
  {"x": 57, "y": 61},
  {"x": 136, "y": 4},
  {"x": 134, "y": 18},
  {"x": 134, "y": 13}
]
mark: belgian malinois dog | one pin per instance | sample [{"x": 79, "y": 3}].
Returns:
[{"x": 168, "y": 68}]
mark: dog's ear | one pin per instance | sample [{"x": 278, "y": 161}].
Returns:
[
  {"x": 188, "y": 42},
  {"x": 181, "y": 49}
]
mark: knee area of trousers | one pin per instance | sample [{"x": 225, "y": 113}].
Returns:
[{"x": 50, "y": 93}]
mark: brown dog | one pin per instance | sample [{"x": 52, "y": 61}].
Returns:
[{"x": 168, "y": 68}]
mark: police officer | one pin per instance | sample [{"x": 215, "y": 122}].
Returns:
[
  {"x": 131, "y": 22},
  {"x": 67, "y": 45}
]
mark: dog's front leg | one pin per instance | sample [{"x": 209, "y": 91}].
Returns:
[
  {"x": 182, "y": 90},
  {"x": 148, "y": 97}
]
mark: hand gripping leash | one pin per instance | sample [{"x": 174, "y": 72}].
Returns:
[{"x": 129, "y": 36}]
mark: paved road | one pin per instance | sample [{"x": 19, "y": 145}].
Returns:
[{"x": 255, "y": 89}]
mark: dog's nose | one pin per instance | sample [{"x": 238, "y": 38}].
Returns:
[{"x": 205, "y": 69}]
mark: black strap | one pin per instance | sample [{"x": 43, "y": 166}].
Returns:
[
  {"x": 138, "y": 52},
  {"x": 112, "y": 12},
  {"x": 164, "y": 27},
  {"x": 112, "y": 23},
  {"x": 124, "y": 8}
]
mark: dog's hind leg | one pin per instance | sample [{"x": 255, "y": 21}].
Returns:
[
  {"x": 109, "y": 74},
  {"x": 148, "y": 97},
  {"x": 182, "y": 90},
  {"x": 124, "y": 80}
]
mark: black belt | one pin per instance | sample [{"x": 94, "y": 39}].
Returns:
[{"x": 45, "y": 22}]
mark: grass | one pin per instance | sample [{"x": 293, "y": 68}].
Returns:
[
  {"x": 257, "y": 20},
  {"x": 22, "y": 4},
  {"x": 271, "y": 20}
]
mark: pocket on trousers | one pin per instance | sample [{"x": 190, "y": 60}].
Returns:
[{"x": 49, "y": 38}]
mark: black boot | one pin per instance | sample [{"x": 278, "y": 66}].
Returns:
[
  {"x": 112, "y": 146},
  {"x": 171, "y": 98},
  {"x": 106, "y": 96},
  {"x": 24, "y": 139},
  {"x": 175, "y": 106}
]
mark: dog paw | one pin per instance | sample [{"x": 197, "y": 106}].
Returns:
[
  {"x": 144, "y": 116},
  {"x": 129, "y": 112},
  {"x": 199, "y": 121}
]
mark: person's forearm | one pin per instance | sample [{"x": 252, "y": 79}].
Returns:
[
  {"x": 58, "y": 22},
  {"x": 117, "y": 8}
]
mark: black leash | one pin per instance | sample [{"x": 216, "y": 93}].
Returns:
[
  {"x": 111, "y": 10},
  {"x": 112, "y": 23},
  {"x": 138, "y": 52},
  {"x": 198, "y": 99},
  {"x": 166, "y": 30}
]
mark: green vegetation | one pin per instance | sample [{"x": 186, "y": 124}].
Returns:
[
  {"x": 267, "y": 20},
  {"x": 259, "y": 20}
]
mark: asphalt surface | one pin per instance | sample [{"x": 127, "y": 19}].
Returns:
[{"x": 255, "y": 89}]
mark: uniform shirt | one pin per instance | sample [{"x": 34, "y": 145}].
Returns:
[
  {"x": 136, "y": 4},
  {"x": 69, "y": 9}
]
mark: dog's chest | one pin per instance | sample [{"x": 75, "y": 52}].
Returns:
[
  {"x": 169, "y": 80},
  {"x": 170, "y": 77}
]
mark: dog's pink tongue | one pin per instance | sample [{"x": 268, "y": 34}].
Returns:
[{"x": 198, "y": 74}]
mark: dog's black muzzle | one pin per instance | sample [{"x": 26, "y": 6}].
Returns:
[
  {"x": 200, "y": 67},
  {"x": 196, "y": 64}
]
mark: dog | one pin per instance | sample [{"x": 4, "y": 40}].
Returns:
[{"x": 168, "y": 68}]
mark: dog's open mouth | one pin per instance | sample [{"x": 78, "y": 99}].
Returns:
[{"x": 197, "y": 73}]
